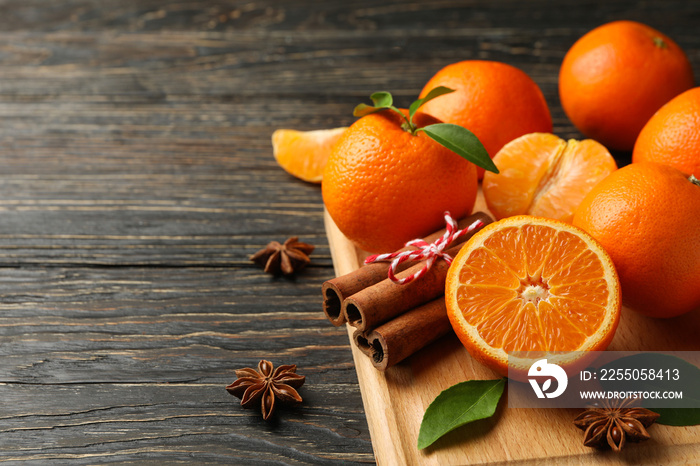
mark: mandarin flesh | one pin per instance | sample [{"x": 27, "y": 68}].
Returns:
[{"x": 535, "y": 285}]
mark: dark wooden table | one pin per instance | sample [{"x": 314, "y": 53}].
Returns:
[{"x": 136, "y": 177}]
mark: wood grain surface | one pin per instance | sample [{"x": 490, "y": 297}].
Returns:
[{"x": 137, "y": 176}]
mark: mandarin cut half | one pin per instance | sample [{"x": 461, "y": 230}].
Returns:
[
  {"x": 543, "y": 175},
  {"x": 533, "y": 285},
  {"x": 304, "y": 154}
]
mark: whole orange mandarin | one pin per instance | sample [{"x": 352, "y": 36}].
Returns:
[
  {"x": 384, "y": 186},
  {"x": 616, "y": 76},
  {"x": 495, "y": 101},
  {"x": 672, "y": 135},
  {"x": 646, "y": 217}
]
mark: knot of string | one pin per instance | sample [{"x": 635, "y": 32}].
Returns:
[{"x": 430, "y": 252}]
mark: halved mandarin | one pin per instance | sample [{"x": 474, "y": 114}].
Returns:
[
  {"x": 536, "y": 285},
  {"x": 543, "y": 175},
  {"x": 304, "y": 154}
]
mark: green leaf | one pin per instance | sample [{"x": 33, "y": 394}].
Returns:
[
  {"x": 382, "y": 99},
  {"x": 364, "y": 109},
  {"x": 461, "y": 141},
  {"x": 437, "y": 92},
  {"x": 678, "y": 416},
  {"x": 459, "y": 405}
]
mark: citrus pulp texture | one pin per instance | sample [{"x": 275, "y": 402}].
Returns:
[
  {"x": 543, "y": 175},
  {"x": 532, "y": 284}
]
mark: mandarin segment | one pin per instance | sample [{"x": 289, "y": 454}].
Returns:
[
  {"x": 592, "y": 291},
  {"x": 538, "y": 242},
  {"x": 587, "y": 316},
  {"x": 543, "y": 175},
  {"x": 581, "y": 165},
  {"x": 506, "y": 244},
  {"x": 304, "y": 154},
  {"x": 558, "y": 332},
  {"x": 476, "y": 300},
  {"x": 492, "y": 323},
  {"x": 586, "y": 266},
  {"x": 564, "y": 250},
  {"x": 523, "y": 163},
  {"x": 525, "y": 332},
  {"x": 549, "y": 310},
  {"x": 485, "y": 268}
]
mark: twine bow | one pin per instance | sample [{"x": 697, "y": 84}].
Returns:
[{"x": 429, "y": 252}]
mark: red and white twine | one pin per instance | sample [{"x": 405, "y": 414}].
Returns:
[{"x": 429, "y": 252}]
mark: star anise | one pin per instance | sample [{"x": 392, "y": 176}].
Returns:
[
  {"x": 613, "y": 425},
  {"x": 286, "y": 258},
  {"x": 266, "y": 385}
]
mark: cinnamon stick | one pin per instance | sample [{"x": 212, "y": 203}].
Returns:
[
  {"x": 335, "y": 291},
  {"x": 379, "y": 303},
  {"x": 399, "y": 338},
  {"x": 361, "y": 342}
]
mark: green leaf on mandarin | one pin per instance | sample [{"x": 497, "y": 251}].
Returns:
[
  {"x": 364, "y": 109},
  {"x": 382, "y": 99},
  {"x": 462, "y": 142}
]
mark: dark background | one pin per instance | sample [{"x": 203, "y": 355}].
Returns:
[{"x": 136, "y": 177}]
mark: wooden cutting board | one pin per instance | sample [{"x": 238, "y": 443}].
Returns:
[{"x": 395, "y": 400}]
